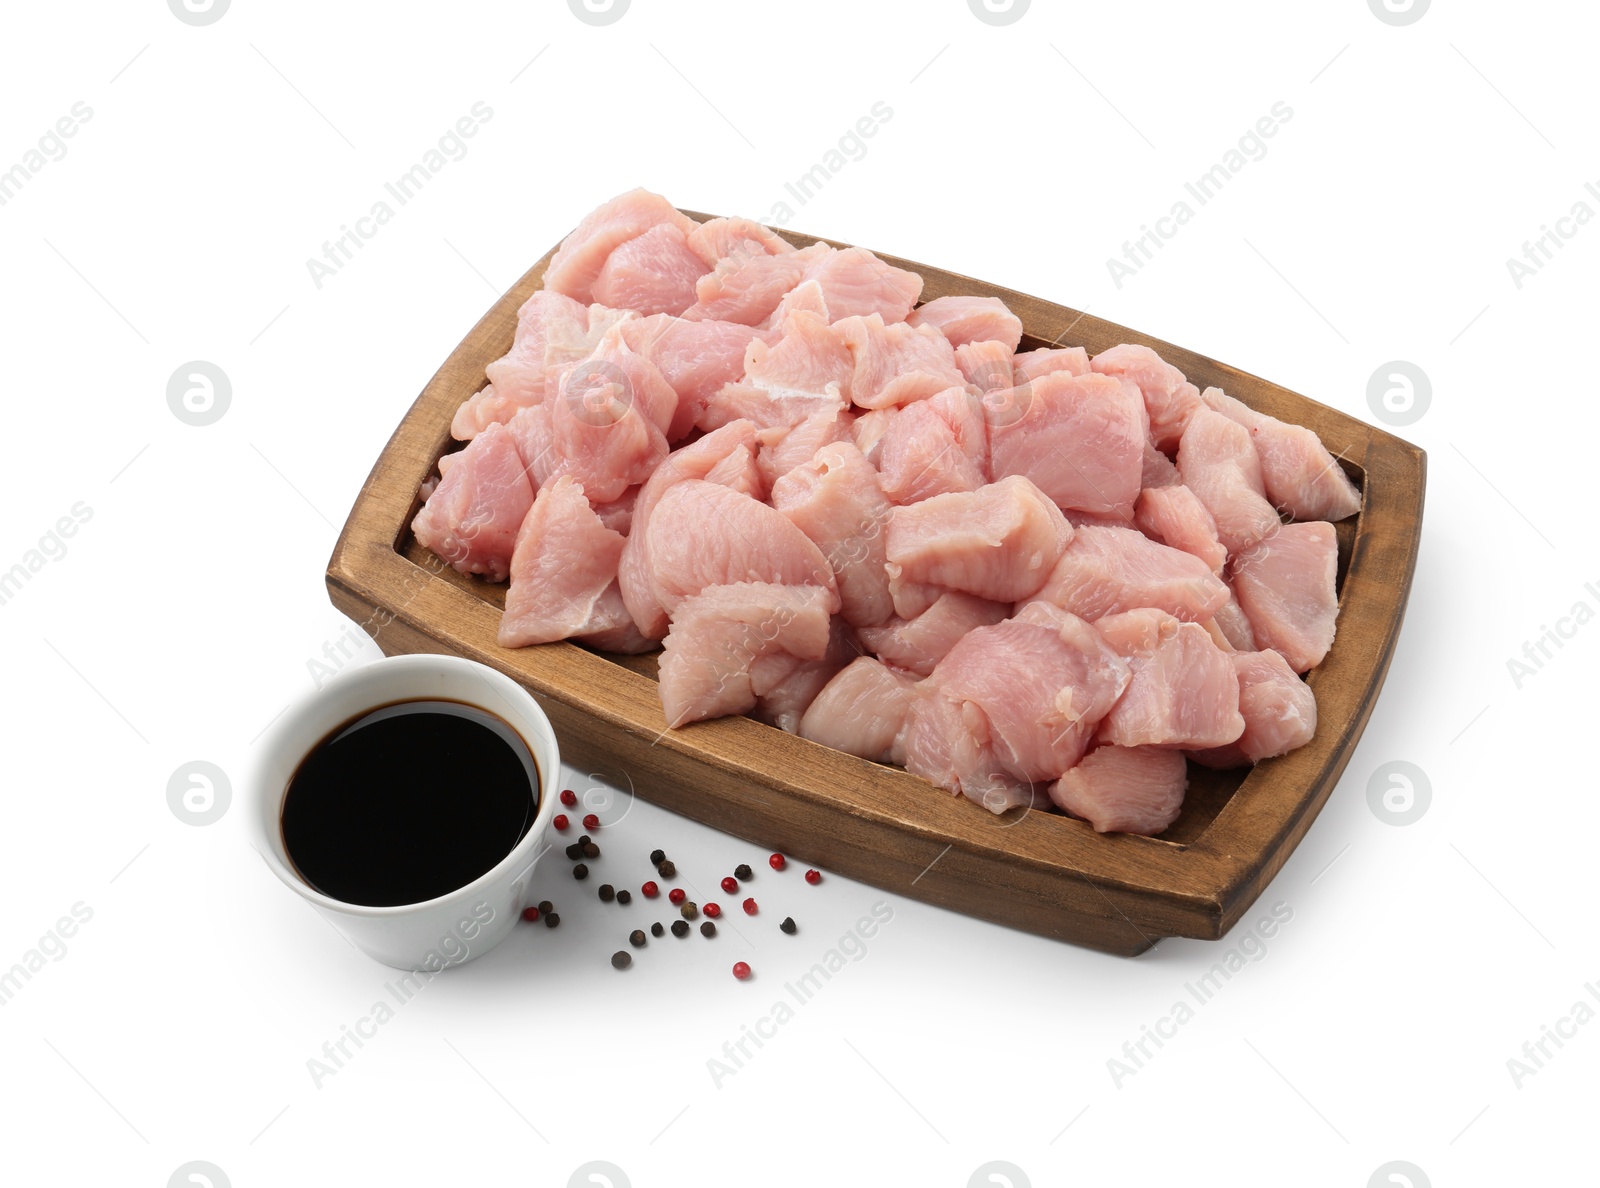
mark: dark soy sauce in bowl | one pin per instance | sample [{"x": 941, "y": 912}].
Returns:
[{"x": 409, "y": 802}]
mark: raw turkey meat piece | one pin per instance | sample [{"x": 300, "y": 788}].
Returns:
[
  {"x": 1169, "y": 399},
  {"x": 836, "y": 500},
  {"x": 1043, "y": 679},
  {"x": 783, "y": 447},
  {"x": 701, "y": 534},
  {"x": 652, "y": 273},
  {"x": 611, "y": 627},
  {"x": 582, "y": 254},
  {"x": 618, "y": 514},
  {"x": 868, "y": 431},
  {"x": 1218, "y": 462},
  {"x": 1279, "y": 709},
  {"x": 694, "y": 461},
  {"x": 948, "y": 743},
  {"x": 863, "y": 711},
  {"x": 1106, "y": 570},
  {"x": 564, "y": 561},
  {"x": 1080, "y": 439},
  {"x": 895, "y": 363},
  {"x": 716, "y": 239},
  {"x": 1301, "y": 478},
  {"x": 1286, "y": 586},
  {"x": 785, "y": 687},
  {"x": 1184, "y": 692},
  {"x": 809, "y": 358},
  {"x": 1233, "y": 625},
  {"x": 918, "y": 644},
  {"x": 1175, "y": 516},
  {"x": 919, "y": 456},
  {"x": 1158, "y": 470},
  {"x": 746, "y": 287},
  {"x": 970, "y": 319},
  {"x": 999, "y": 543},
  {"x": 1125, "y": 789},
  {"x": 856, "y": 283},
  {"x": 723, "y": 631},
  {"x": 697, "y": 359},
  {"x": 986, "y": 365},
  {"x": 472, "y": 517},
  {"x": 1030, "y": 365}
]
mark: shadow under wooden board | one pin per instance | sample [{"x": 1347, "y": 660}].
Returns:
[{"x": 1037, "y": 871}]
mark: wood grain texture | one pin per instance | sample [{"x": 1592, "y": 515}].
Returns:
[{"x": 1037, "y": 871}]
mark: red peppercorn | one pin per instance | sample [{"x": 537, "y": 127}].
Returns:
[
  {"x": 569, "y": 798},
  {"x": 730, "y": 884},
  {"x": 713, "y": 910},
  {"x": 650, "y": 890},
  {"x": 560, "y": 821},
  {"x": 749, "y": 907},
  {"x": 530, "y": 914},
  {"x": 590, "y": 821},
  {"x": 741, "y": 970},
  {"x": 677, "y": 895},
  {"x": 777, "y": 862},
  {"x": 813, "y": 877}
]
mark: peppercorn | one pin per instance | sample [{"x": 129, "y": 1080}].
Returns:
[
  {"x": 621, "y": 959},
  {"x": 636, "y": 938},
  {"x": 741, "y": 970},
  {"x": 667, "y": 869},
  {"x": 624, "y": 897},
  {"x": 677, "y": 895},
  {"x": 742, "y": 872},
  {"x": 788, "y": 925},
  {"x": 552, "y": 920},
  {"x": 730, "y": 884},
  {"x": 569, "y": 797},
  {"x": 546, "y": 907},
  {"x": 656, "y": 929},
  {"x": 607, "y": 892},
  {"x": 749, "y": 906},
  {"x": 680, "y": 928},
  {"x": 590, "y": 850},
  {"x": 580, "y": 872},
  {"x": 530, "y": 914},
  {"x": 707, "y": 928},
  {"x": 777, "y": 862},
  {"x": 689, "y": 910},
  {"x": 656, "y": 856},
  {"x": 813, "y": 877}
]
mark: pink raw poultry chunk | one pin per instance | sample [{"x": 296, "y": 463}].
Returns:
[
  {"x": 920, "y": 457},
  {"x": 1286, "y": 586},
  {"x": 697, "y": 460},
  {"x": 653, "y": 273},
  {"x": 970, "y": 319},
  {"x": 472, "y": 517},
  {"x": 721, "y": 633},
  {"x": 986, "y": 365},
  {"x": 1104, "y": 571},
  {"x": 948, "y": 743},
  {"x": 1169, "y": 399},
  {"x": 868, "y": 431},
  {"x": 582, "y": 254},
  {"x": 695, "y": 358},
  {"x": 746, "y": 287},
  {"x": 855, "y": 283},
  {"x": 1300, "y": 476},
  {"x": 1175, "y": 516},
  {"x": 1125, "y": 789},
  {"x": 785, "y": 686},
  {"x": 565, "y": 559},
  {"x": 1080, "y": 439},
  {"x": 999, "y": 542},
  {"x": 552, "y": 331},
  {"x": 1030, "y": 365},
  {"x": 895, "y": 363},
  {"x": 701, "y": 534},
  {"x": 1184, "y": 691},
  {"x": 1219, "y": 464},
  {"x": 715, "y": 239},
  {"x": 1280, "y": 712},
  {"x": 784, "y": 447},
  {"x": 806, "y": 297},
  {"x": 1043, "y": 679},
  {"x": 611, "y": 627},
  {"x": 918, "y": 644},
  {"x": 1158, "y": 469},
  {"x": 1231, "y": 623},
  {"x": 836, "y": 501},
  {"x": 862, "y": 711},
  {"x": 617, "y": 515}
]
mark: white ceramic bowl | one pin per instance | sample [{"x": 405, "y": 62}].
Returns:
[{"x": 450, "y": 929}]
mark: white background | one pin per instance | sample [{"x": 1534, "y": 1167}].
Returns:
[{"x": 1418, "y": 960}]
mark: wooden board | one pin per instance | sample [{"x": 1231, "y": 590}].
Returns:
[{"x": 1038, "y": 871}]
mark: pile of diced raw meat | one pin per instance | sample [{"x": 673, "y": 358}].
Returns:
[{"x": 1031, "y": 577}]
